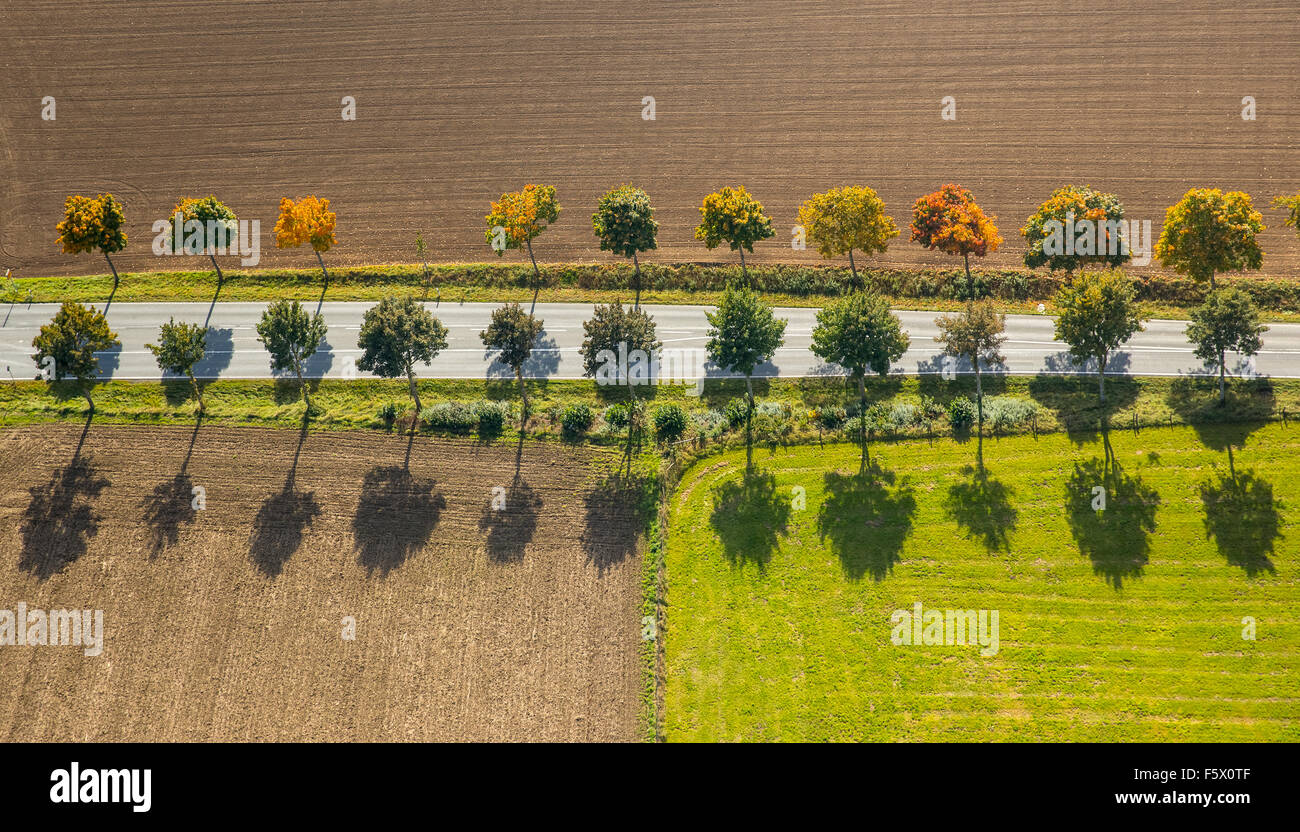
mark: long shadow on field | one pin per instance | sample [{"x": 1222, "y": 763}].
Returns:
[
  {"x": 395, "y": 517},
  {"x": 510, "y": 516},
  {"x": 867, "y": 517},
  {"x": 60, "y": 519},
  {"x": 1074, "y": 399},
  {"x": 983, "y": 506},
  {"x": 282, "y": 521},
  {"x": 1242, "y": 517},
  {"x": 615, "y": 510},
  {"x": 171, "y": 503},
  {"x": 749, "y": 517},
  {"x": 1195, "y": 399},
  {"x": 1115, "y": 538}
]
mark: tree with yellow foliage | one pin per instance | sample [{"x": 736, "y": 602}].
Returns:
[
  {"x": 309, "y": 220},
  {"x": 517, "y": 218},
  {"x": 93, "y": 224},
  {"x": 844, "y": 219},
  {"x": 734, "y": 217},
  {"x": 1208, "y": 231}
]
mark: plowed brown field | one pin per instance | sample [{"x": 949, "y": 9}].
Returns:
[
  {"x": 457, "y": 101},
  {"x": 227, "y": 623}
]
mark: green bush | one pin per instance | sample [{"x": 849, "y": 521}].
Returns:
[
  {"x": 492, "y": 417},
  {"x": 453, "y": 417},
  {"x": 830, "y": 417},
  {"x": 961, "y": 413},
  {"x": 576, "y": 419},
  {"x": 736, "y": 411},
  {"x": 616, "y": 415},
  {"x": 387, "y": 415},
  {"x": 903, "y": 415},
  {"x": 710, "y": 424},
  {"x": 670, "y": 421},
  {"x": 1006, "y": 412}
]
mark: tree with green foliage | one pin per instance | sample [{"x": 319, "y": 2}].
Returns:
[
  {"x": 93, "y": 224},
  {"x": 1097, "y": 312},
  {"x": 1092, "y": 219},
  {"x": 615, "y": 335},
  {"x": 743, "y": 333},
  {"x": 734, "y": 217},
  {"x": 180, "y": 346},
  {"x": 859, "y": 333},
  {"x": 66, "y": 346},
  {"x": 1208, "y": 231},
  {"x": 207, "y": 226},
  {"x": 844, "y": 219},
  {"x": 1228, "y": 321},
  {"x": 291, "y": 335},
  {"x": 625, "y": 224},
  {"x": 975, "y": 334},
  {"x": 511, "y": 333},
  {"x": 396, "y": 334}
]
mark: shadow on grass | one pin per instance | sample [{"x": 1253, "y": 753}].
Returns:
[
  {"x": 749, "y": 517},
  {"x": 867, "y": 517},
  {"x": 1241, "y": 515},
  {"x": 982, "y": 506},
  {"x": 60, "y": 519},
  {"x": 1196, "y": 401},
  {"x": 1075, "y": 402},
  {"x": 1116, "y": 538}
]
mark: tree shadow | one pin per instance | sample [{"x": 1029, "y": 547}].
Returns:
[
  {"x": 616, "y": 511},
  {"x": 219, "y": 350},
  {"x": 1115, "y": 538},
  {"x": 1196, "y": 401},
  {"x": 867, "y": 517},
  {"x": 983, "y": 506},
  {"x": 1074, "y": 401},
  {"x": 543, "y": 361},
  {"x": 1241, "y": 515},
  {"x": 395, "y": 517},
  {"x": 282, "y": 521},
  {"x": 60, "y": 519},
  {"x": 510, "y": 517},
  {"x": 749, "y": 517},
  {"x": 170, "y": 504}
]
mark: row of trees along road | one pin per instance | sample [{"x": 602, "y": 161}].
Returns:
[{"x": 1205, "y": 233}]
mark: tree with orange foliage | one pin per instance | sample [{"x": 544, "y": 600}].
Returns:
[
  {"x": 309, "y": 220},
  {"x": 949, "y": 220},
  {"x": 517, "y": 218},
  {"x": 93, "y": 224}
]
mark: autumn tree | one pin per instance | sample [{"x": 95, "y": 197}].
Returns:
[
  {"x": 617, "y": 334},
  {"x": 291, "y": 336},
  {"x": 950, "y": 220},
  {"x": 519, "y": 217},
  {"x": 1092, "y": 221},
  {"x": 1290, "y": 204},
  {"x": 511, "y": 334},
  {"x": 207, "y": 226},
  {"x": 93, "y": 224},
  {"x": 66, "y": 346},
  {"x": 307, "y": 221},
  {"x": 975, "y": 334},
  {"x": 396, "y": 335},
  {"x": 625, "y": 224},
  {"x": 743, "y": 333},
  {"x": 1208, "y": 231},
  {"x": 1227, "y": 321},
  {"x": 859, "y": 333},
  {"x": 844, "y": 219},
  {"x": 180, "y": 346},
  {"x": 1098, "y": 311},
  {"x": 734, "y": 217}
]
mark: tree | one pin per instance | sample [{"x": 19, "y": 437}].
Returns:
[
  {"x": 1290, "y": 204},
  {"x": 521, "y": 216},
  {"x": 207, "y": 226},
  {"x": 621, "y": 333},
  {"x": 624, "y": 222},
  {"x": 734, "y": 217},
  {"x": 93, "y": 224},
  {"x": 743, "y": 333},
  {"x": 70, "y": 342},
  {"x": 396, "y": 334},
  {"x": 949, "y": 220},
  {"x": 291, "y": 336},
  {"x": 1098, "y": 312},
  {"x": 511, "y": 334},
  {"x": 844, "y": 219},
  {"x": 859, "y": 333},
  {"x": 976, "y": 335},
  {"x": 1208, "y": 231},
  {"x": 309, "y": 220},
  {"x": 180, "y": 346},
  {"x": 1090, "y": 219},
  {"x": 1226, "y": 321}
]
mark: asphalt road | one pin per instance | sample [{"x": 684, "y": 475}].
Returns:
[{"x": 234, "y": 351}]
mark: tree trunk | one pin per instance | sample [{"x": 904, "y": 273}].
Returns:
[
  {"x": 111, "y": 266},
  {"x": 198, "y": 392},
  {"x": 523, "y": 394},
  {"x": 970, "y": 281},
  {"x": 220, "y": 276},
  {"x": 1223, "y": 396},
  {"x": 854, "y": 269},
  {"x": 322, "y": 267},
  {"x": 85, "y": 391},
  {"x": 306, "y": 394},
  {"x": 744, "y": 273},
  {"x": 749, "y": 386},
  {"x": 636, "y": 267},
  {"x": 1101, "y": 376},
  {"x": 862, "y": 417},
  {"x": 415, "y": 394},
  {"x": 979, "y": 393},
  {"x": 537, "y": 277}
]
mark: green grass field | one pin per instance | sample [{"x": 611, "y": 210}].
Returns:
[{"x": 1114, "y": 626}]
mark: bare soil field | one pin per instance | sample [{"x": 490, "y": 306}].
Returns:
[
  {"x": 457, "y": 102},
  {"x": 227, "y": 623}
]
